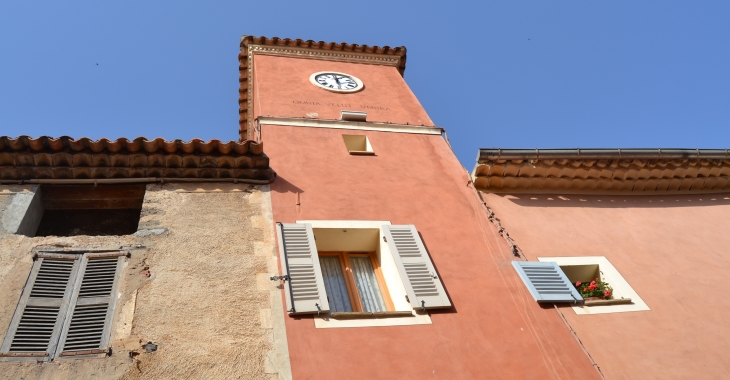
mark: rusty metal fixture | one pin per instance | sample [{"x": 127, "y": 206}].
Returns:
[
  {"x": 24, "y": 354},
  {"x": 106, "y": 351}
]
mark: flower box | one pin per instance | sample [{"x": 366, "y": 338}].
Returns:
[{"x": 594, "y": 291}]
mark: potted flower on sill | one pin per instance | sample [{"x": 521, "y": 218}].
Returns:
[{"x": 595, "y": 290}]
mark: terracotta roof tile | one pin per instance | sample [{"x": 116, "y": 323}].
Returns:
[
  {"x": 632, "y": 175},
  {"x": 328, "y": 47},
  {"x": 24, "y": 158}
]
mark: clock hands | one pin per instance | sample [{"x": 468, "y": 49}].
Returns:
[{"x": 337, "y": 80}]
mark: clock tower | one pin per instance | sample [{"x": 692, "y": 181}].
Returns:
[
  {"x": 380, "y": 268},
  {"x": 317, "y": 80}
]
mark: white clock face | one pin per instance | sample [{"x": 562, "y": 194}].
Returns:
[{"x": 337, "y": 82}]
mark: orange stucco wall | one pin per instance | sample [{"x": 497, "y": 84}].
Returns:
[
  {"x": 673, "y": 251},
  {"x": 282, "y": 88},
  {"x": 494, "y": 330}
]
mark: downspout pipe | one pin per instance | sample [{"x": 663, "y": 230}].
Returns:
[{"x": 288, "y": 273}]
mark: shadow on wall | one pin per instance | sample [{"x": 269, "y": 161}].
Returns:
[
  {"x": 448, "y": 310},
  {"x": 618, "y": 201},
  {"x": 281, "y": 185}
]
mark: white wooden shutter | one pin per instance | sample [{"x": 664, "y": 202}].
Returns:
[
  {"x": 423, "y": 286},
  {"x": 38, "y": 319},
  {"x": 305, "y": 292},
  {"x": 87, "y": 330},
  {"x": 546, "y": 281}
]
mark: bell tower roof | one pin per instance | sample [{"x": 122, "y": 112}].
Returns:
[{"x": 330, "y": 51}]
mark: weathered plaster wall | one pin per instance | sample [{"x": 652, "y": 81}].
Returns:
[
  {"x": 207, "y": 249},
  {"x": 673, "y": 251}
]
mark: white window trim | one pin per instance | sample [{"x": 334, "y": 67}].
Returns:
[
  {"x": 392, "y": 280},
  {"x": 609, "y": 274},
  {"x": 357, "y": 125}
]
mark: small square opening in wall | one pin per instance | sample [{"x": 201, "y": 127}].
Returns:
[
  {"x": 70, "y": 210},
  {"x": 358, "y": 145}
]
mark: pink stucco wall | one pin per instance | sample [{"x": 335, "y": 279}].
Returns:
[
  {"x": 494, "y": 330},
  {"x": 672, "y": 249},
  {"x": 282, "y": 88}
]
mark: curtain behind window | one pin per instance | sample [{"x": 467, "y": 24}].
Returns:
[
  {"x": 367, "y": 284},
  {"x": 334, "y": 284}
]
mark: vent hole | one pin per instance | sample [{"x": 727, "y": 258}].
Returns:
[{"x": 358, "y": 145}]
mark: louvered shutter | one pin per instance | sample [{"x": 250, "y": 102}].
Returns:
[
  {"x": 87, "y": 330},
  {"x": 546, "y": 281},
  {"x": 305, "y": 292},
  {"x": 423, "y": 286},
  {"x": 38, "y": 319}
]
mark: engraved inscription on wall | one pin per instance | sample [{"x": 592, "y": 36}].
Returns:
[{"x": 341, "y": 105}]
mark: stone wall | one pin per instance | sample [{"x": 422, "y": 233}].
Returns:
[{"x": 196, "y": 285}]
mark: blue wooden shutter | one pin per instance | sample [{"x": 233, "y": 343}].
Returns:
[
  {"x": 424, "y": 288},
  {"x": 546, "y": 282},
  {"x": 305, "y": 291}
]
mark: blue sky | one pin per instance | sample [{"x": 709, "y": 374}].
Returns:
[{"x": 528, "y": 74}]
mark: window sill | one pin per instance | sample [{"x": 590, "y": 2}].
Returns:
[
  {"x": 361, "y": 153},
  {"x": 615, "y": 301},
  {"x": 363, "y": 315},
  {"x": 391, "y": 318}
]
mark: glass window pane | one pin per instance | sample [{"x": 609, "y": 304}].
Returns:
[
  {"x": 334, "y": 284},
  {"x": 367, "y": 284}
]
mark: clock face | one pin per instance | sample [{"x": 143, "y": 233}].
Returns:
[{"x": 337, "y": 82}]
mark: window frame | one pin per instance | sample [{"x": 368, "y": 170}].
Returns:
[
  {"x": 352, "y": 292},
  {"x": 608, "y": 273},
  {"x": 393, "y": 279}
]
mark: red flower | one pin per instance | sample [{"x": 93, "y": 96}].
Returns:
[
  {"x": 577, "y": 283},
  {"x": 607, "y": 293}
]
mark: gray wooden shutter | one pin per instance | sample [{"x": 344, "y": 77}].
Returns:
[
  {"x": 39, "y": 316},
  {"x": 87, "y": 330},
  {"x": 546, "y": 281},
  {"x": 423, "y": 286},
  {"x": 305, "y": 292}
]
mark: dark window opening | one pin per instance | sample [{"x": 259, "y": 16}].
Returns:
[{"x": 70, "y": 210}]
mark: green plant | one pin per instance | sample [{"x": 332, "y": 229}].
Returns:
[{"x": 595, "y": 288}]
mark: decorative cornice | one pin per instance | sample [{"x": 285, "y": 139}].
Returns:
[
  {"x": 325, "y": 55},
  {"x": 339, "y": 52}
]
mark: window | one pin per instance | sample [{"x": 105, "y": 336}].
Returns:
[
  {"x": 587, "y": 268},
  {"x": 353, "y": 282},
  {"x": 346, "y": 272},
  {"x": 66, "y": 307},
  {"x": 551, "y": 279},
  {"x": 358, "y": 145}
]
